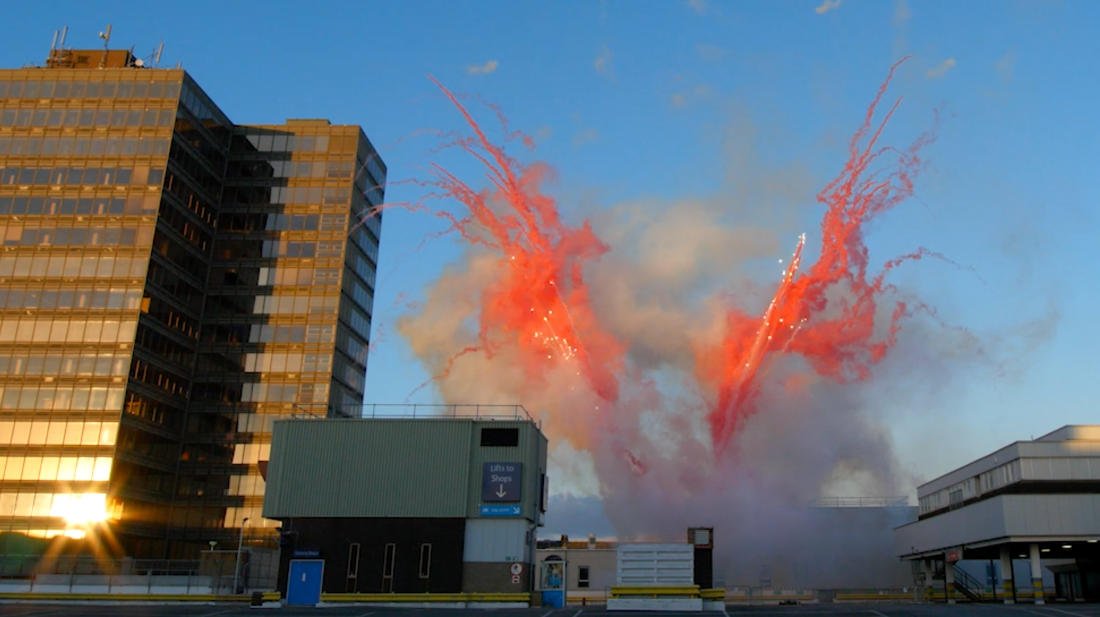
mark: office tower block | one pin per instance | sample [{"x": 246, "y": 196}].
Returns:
[{"x": 170, "y": 283}]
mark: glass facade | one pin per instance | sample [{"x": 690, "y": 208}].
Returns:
[{"x": 170, "y": 284}]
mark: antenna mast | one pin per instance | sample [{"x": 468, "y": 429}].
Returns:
[
  {"x": 57, "y": 47},
  {"x": 106, "y": 36}
]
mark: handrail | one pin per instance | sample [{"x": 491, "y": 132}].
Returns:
[
  {"x": 653, "y": 591},
  {"x": 860, "y": 502},
  {"x": 969, "y": 586},
  {"x": 414, "y": 410}
]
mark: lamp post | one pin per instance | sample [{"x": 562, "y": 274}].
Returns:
[{"x": 240, "y": 544}]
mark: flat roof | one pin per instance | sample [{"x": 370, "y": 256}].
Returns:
[{"x": 1085, "y": 440}]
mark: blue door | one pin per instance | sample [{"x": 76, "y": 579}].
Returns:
[{"x": 303, "y": 586}]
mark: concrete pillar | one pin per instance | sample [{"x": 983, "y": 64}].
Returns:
[
  {"x": 929, "y": 572},
  {"x": 949, "y": 579},
  {"x": 1036, "y": 575},
  {"x": 1007, "y": 582}
]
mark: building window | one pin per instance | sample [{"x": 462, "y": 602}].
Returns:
[
  {"x": 425, "y": 560},
  {"x": 387, "y": 568},
  {"x": 353, "y": 561},
  {"x": 582, "y": 577},
  {"x": 955, "y": 497},
  {"x": 499, "y": 437},
  {"x": 353, "y": 568}
]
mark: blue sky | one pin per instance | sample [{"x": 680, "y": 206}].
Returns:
[{"x": 629, "y": 99}]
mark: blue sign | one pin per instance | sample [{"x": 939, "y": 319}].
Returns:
[
  {"x": 501, "y": 510},
  {"x": 501, "y": 481},
  {"x": 307, "y": 553}
]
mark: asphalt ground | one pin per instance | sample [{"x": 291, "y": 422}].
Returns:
[{"x": 34, "y": 609}]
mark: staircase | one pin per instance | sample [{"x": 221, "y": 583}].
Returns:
[{"x": 967, "y": 585}]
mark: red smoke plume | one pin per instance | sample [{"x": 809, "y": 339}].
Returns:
[
  {"x": 538, "y": 305},
  {"x": 836, "y": 336}
]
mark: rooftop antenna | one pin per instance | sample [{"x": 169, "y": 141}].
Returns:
[
  {"x": 53, "y": 46},
  {"x": 56, "y": 45},
  {"x": 160, "y": 50},
  {"x": 106, "y": 36}
]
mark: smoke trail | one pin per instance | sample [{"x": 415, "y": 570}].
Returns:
[
  {"x": 827, "y": 314},
  {"x": 604, "y": 332}
]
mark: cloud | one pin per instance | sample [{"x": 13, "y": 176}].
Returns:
[
  {"x": 902, "y": 13},
  {"x": 603, "y": 62},
  {"x": 679, "y": 99},
  {"x": 585, "y": 136},
  {"x": 699, "y": 6},
  {"x": 941, "y": 69},
  {"x": 1005, "y": 66},
  {"x": 710, "y": 52},
  {"x": 827, "y": 6},
  {"x": 544, "y": 133},
  {"x": 483, "y": 69}
]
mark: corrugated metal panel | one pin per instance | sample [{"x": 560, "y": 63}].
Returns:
[
  {"x": 369, "y": 468},
  {"x": 531, "y": 451},
  {"x": 393, "y": 467},
  {"x": 495, "y": 540}
]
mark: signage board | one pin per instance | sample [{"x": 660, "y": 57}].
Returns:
[
  {"x": 952, "y": 556},
  {"x": 307, "y": 553},
  {"x": 500, "y": 482},
  {"x": 517, "y": 569},
  {"x": 501, "y": 510}
]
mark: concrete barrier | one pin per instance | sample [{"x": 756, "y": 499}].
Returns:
[
  {"x": 655, "y": 591},
  {"x": 873, "y": 596},
  {"x": 431, "y": 600}
]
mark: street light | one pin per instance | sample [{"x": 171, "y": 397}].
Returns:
[{"x": 240, "y": 543}]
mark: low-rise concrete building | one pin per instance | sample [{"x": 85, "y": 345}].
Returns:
[
  {"x": 589, "y": 565},
  {"x": 409, "y": 505},
  {"x": 1035, "y": 500}
]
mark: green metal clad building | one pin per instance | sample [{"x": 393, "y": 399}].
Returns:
[{"x": 441, "y": 504}]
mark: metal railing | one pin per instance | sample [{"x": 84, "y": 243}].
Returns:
[
  {"x": 214, "y": 573},
  {"x": 860, "y": 502},
  {"x": 969, "y": 586},
  {"x": 416, "y": 410},
  {"x": 27, "y": 565}
]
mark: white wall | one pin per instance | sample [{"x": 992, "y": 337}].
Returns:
[
  {"x": 495, "y": 540},
  {"x": 601, "y": 564},
  {"x": 656, "y": 564},
  {"x": 1004, "y": 516},
  {"x": 1052, "y": 515}
]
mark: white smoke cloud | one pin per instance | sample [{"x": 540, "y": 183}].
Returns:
[
  {"x": 483, "y": 69},
  {"x": 940, "y": 69},
  {"x": 645, "y": 463}
]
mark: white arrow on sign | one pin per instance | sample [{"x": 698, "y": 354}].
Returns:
[
  {"x": 515, "y": 510},
  {"x": 501, "y": 492}
]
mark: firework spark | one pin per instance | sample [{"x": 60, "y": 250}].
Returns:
[{"x": 835, "y": 334}]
